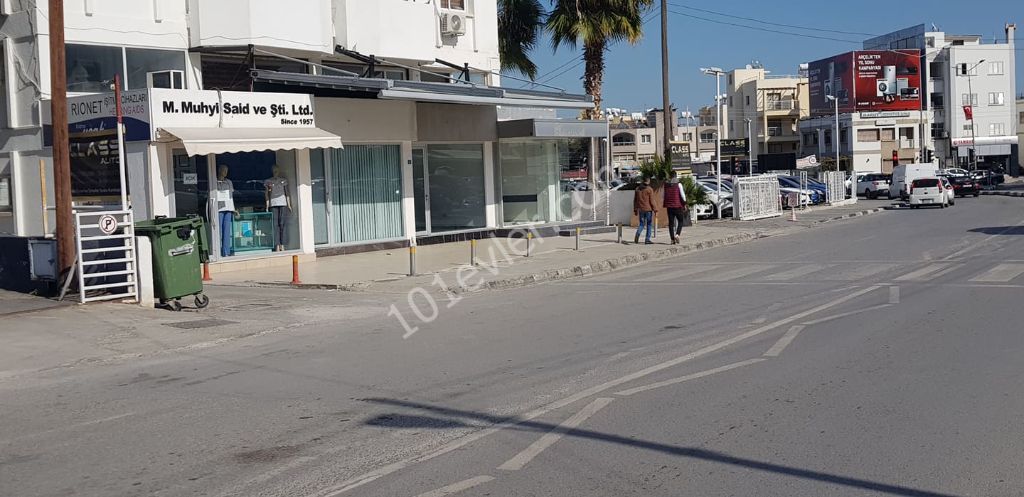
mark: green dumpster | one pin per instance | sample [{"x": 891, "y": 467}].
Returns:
[{"x": 179, "y": 249}]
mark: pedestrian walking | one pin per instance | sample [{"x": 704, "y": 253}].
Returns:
[
  {"x": 678, "y": 211},
  {"x": 644, "y": 207}
]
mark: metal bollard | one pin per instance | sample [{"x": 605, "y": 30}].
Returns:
[
  {"x": 619, "y": 231},
  {"x": 578, "y": 229},
  {"x": 472, "y": 252},
  {"x": 412, "y": 260},
  {"x": 295, "y": 270},
  {"x": 529, "y": 239},
  {"x": 206, "y": 272}
]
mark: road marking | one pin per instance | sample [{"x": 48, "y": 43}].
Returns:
[
  {"x": 520, "y": 460},
  {"x": 70, "y": 427},
  {"x": 673, "y": 273},
  {"x": 1000, "y": 274},
  {"x": 859, "y": 272},
  {"x": 973, "y": 246},
  {"x": 456, "y": 444},
  {"x": 735, "y": 273},
  {"x": 927, "y": 272},
  {"x": 784, "y": 342},
  {"x": 681, "y": 379},
  {"x": 845, "y": 314},
  {"x": 763, "y": 318},
  {"x": 457, "y": 487},
  {"x": 894, "y": 295},
  {"x": 797, "y": 272}
]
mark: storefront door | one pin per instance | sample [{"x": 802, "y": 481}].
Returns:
[{"x": 192, "y": 187}]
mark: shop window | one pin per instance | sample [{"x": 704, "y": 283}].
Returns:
[
  {"x": 143, "y": 61},
  {"x": 91, "y": 68},
  {"x": 531, "y": 181},
  {"x": 366, "y": 193},
  {"x": 6, "y": 201},
  {"x": 456, "y": 178},
  {"x": 254, "y": 198}
]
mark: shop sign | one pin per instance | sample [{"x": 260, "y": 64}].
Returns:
[
  {"x": 95, "y": 164},
  {"x": 229, "y": 109},
  {"x": 878, "y": 115},
  {"x": 681, "y": 155},
  {"x": 98, "y": 112},
  {"x": 734, "y": 147}
]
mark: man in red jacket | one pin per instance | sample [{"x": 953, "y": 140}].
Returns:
[{"x": 675, "y": 202}]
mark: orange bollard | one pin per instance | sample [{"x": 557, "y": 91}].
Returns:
[
  {"x": 206, "y": 272},
  {"x": 295, "y": 270}
]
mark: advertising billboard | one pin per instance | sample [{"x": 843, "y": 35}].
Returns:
[{"x": 866, "y": 81}]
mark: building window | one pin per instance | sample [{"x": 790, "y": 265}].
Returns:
[
  {"x": 867, "y": 135},
  {"x": 970, "y": 128},
  {"x": 141, "y": 62},
  {"x": 91, "y": 69},
  {"x": 453, "y": 4},
  {"x": 996, "y": 129},
  {"x": 966, "y": 69},
  {"x": 938, "y": 101},
  {"x": 748, "y": 100},
  {"x": 1021, "y": 117},
  {"x": 645, "y": 138},
  {"x": 688, "y": 137},
  {"x": 707, "y": 136},
  {"x": 623, "y": 139},
  {"x": 889, "y": 134},
  {"x": 969, "y": 99},
  {"x": 995, "y": 68},
  {"x": 6, "y": 205},
  {"x": 730, "y": 100},
  {"x": 731, "y": 125},
  {"x": 995, "y": 98}
]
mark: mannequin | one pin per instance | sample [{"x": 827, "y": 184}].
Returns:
[
  {"x": 226, "y": 212},
  {"x": 280, "y": 203}
]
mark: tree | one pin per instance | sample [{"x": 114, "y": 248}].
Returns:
[
  {"x": 594, "y": 24},
  {"x": 519, "y": 25}
]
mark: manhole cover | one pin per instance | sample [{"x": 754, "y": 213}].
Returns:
[{"x": 198, "y": 324}]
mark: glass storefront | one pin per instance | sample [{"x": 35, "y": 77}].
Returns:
[
  {"x": 530, "y": 177},
  {"x": 248, "y": 200},
  {"x": 366, "y": 193},
  {"x": 455, "y": 182}
]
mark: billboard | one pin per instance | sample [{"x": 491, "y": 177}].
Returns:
[{"x": 866, "y": 81}]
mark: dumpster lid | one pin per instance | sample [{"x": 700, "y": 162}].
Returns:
[{"x": 203, "y": 141}]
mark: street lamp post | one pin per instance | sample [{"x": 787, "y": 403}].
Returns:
[
  {"x": 970, "y": 103},
  {"x": 836, "y": 101},
  {"x": 717, "y": 73},
  {"x": 750, "y": 149}
]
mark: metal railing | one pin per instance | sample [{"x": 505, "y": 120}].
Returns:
[
  {"x": 780, "y": 105},
  {"x": 757, "y": 197}
]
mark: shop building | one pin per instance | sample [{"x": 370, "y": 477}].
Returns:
[{"x": 395, "y": 144}]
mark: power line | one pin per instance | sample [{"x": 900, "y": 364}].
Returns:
[
  {"x": 769, "y": 22},
  {"x": 789, "y": 33}
]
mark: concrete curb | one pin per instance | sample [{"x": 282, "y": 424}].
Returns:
[
  {"x": 1002, "y": 193},
  {"x": 852, "y": 215}
]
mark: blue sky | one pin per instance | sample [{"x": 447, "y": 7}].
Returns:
[{"x": 633, "y": 77}]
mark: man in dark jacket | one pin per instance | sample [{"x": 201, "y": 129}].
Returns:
[
  {"x": 644, "y": 207},
  {"x": 675, "y": 202}
]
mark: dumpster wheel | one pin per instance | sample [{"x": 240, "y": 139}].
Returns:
[
  {"x": 174, "y": 305},
  {"x": 202, "y": 301}
]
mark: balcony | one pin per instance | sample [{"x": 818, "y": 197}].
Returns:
[
  {"x": 780, "y": 106},
  {"x": 908, "y": 143}
]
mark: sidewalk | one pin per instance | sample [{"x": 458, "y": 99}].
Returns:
[
  {"x": 502, "y": 263},
  {"x": 12, "y": 303}
]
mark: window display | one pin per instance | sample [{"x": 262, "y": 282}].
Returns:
[{"x": 253, "y": 200}]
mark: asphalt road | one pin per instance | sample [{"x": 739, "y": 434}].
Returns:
[{"x": 877, "y": 356}]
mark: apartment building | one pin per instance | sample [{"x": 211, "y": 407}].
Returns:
[
  {"x": 410, "y": 88},
  {"x": 961, "y": 71},
  {"x": 766, "y": 108}
]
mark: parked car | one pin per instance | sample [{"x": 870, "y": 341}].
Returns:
[
  {"x": 785, "y": 193},
  {"x": 927, "y": 191},
  {"x": 712, "y": 192},
  {"x": 813, "y": 196},
  {"x": 947, "y": 188},
  {"x": 989, "y": 177},
  {"x": 953, "y": 171},
  {"x": 874, "y": 184},
  {"x": 964, "y": 186}
]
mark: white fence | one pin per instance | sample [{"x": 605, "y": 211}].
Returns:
[
  {"x": 106, "y": 262},
  {"x": 757, "y": 197},
  {"x": 835, "y": 189}
]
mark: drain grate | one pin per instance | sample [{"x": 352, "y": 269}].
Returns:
[
  {"x": 251, "y": 306},
  {"x": 199, "y": 324}
]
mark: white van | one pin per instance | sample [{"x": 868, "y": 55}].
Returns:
[{"x": 905, "y": 174}]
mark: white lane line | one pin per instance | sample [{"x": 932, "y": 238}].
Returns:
[
  {"x": 457, "y": 444},
  {"x": 70, "y": 427},
  {"x": 894, "y": 295},
  {"x": 457, "y": 487},
  {"x": 797, "y": 272},
  {"x": 784, "y": 342},
  {"x": 681, "y": 379},
  {"x": 929, "y": 271},
  {"x": 735, "y": 273},
  {"x": 673, "y": 273},
  {"x": 859, "y": 272},
  {"x": 845, "y": 314},
  {"x": 1000, "y": 274},
  {"x": 520, "y": 460}
]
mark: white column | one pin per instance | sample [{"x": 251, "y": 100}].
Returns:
[
  {"x": 408, "y": 192},
  {"x": 304, "y": 201},
  {"x": 160, "y": 172},
  {"x": 489, "y": 187}
]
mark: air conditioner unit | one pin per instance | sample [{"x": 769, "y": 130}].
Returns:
[
  {"x": 453, "y": 24},
  {"x": 174, "y": 80}
]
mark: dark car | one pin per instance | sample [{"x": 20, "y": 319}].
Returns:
[
  {"x": 989, "y": 177},
  {"x": 964, "y": 186}
]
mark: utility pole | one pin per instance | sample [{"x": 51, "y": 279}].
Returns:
[
  {"x": 66, "y": 253},
  {"x": 666, "y": 104}
]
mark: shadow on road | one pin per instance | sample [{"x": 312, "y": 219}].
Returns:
[
  {"x": 1000, "y": 230},
  {"x": 688, "y": 452}
]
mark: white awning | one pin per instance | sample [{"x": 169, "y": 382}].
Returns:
[
  {"x": 448, "y": 98},
  {"x": 203, "y": 141}
]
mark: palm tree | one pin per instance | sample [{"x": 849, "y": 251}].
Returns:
[
  {"x": 519, "y": 26},
  {"x": 595, "y": 24}
]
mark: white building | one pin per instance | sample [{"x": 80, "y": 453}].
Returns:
[
  {"x": 766, "y": 109},
  {"x": 409, "y": 87},
  {"x": 964, "y": 71}
]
